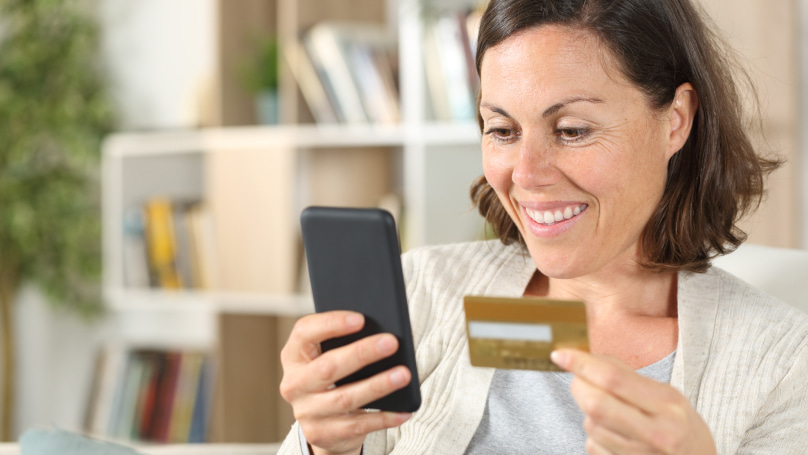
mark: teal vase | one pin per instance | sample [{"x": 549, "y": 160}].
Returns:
[{"x": 267, "y": 107}]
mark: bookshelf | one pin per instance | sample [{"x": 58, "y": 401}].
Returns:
[{"x": 255, "y": 180}]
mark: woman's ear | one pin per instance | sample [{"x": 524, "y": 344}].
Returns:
[{"x": 682, "y": 112}]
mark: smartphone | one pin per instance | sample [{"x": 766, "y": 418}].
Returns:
[{"x": 354, "y": 262}]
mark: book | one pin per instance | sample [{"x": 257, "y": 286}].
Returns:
[
  {"x": 149, "y": 390},
  {"x": 135, "y": 260},
  {"x": 103, "y": 402},
  {"x": 161, "y": 243},
  {"x": 202, "y": 403},
  {"x": 164, "y": 404},
  {"x": 182, "y": 236},
  {"x": 123, "y": 412},
  {"x": 148, "y": 367},
  {"x": 320, "y": 103}
]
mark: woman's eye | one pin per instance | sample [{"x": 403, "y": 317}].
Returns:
[
  {"x": 572, "y": 134},
  {"x": 501, "y": 134}
]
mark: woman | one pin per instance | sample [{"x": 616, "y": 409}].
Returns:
[{"x": 616, "y": 165}]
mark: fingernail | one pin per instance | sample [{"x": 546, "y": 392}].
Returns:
[
  {"x": 560, "y": 358},
  {"x": 386, "y": 345},
  {"x": 353, "y": 321},
  {"x": 397, "y": 378},
  {"x": 404, "y": 416}
]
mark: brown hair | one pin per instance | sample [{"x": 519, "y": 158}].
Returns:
[{"x": 717, "y": 177}]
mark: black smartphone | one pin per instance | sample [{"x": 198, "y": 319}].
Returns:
[{"x": 354, "y": 262}]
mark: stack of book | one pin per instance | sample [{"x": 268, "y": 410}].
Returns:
[
  {"x": 449, "y": 48},
  {"x": 169, "y": 245},
  {"x": 346, "y": 72},
  {"x": 152, "y": 395}
]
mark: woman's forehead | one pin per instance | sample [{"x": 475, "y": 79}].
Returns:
[{"x": 547, "y": 59}]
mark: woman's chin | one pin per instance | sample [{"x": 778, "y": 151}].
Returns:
[{"x": 561, "y": 269}]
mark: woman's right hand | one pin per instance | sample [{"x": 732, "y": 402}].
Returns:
[{"x": 331, "y": 417}]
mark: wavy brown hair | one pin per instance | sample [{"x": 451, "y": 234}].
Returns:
[{"x": 717, "y": 177}]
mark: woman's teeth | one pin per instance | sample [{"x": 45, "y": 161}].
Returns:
[{"x": 549, "y": 217}]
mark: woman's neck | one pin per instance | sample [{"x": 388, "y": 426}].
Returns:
[
  {"x": 630, "y": 293},
  {"x": 631, "y": 313}
]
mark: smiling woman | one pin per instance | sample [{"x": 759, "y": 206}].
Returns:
[
  {"x": 616, "y": 164},
  {"x": 654, "y": 48},
  {"x": 572, "y": 135}
]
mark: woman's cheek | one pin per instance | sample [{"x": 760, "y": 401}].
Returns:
[{"x": 498, "y": 171}]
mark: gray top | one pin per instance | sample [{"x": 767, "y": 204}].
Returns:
[{"x": 533, "y": 412}]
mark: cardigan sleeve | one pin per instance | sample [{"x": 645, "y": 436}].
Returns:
[
  {"x": 292, "y": 444},
  {"x": 781, "y": 423}
]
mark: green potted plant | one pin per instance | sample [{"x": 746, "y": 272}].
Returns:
[
  {"x": 261, "y": 78},
  {"x": 53, "y": 115}
]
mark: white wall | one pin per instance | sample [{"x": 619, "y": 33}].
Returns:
[
  {"x": 766, "y": 35},
  {"x": 161, "y": 58},
  {"x": 55, "y": 358}
]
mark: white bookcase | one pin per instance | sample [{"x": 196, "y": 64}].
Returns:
[
  {"x": 433, "y": 165},
  {"x": 440, "y": 161}
]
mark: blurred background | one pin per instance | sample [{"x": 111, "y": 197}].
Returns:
[{"x": 156, "y": 155}]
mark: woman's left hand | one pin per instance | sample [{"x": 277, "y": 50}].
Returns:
[{"x": 627, "y": 413}]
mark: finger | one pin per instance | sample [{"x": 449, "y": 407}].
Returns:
[
  {"x": 610, "y": 412},
  {"x": 614, "y": 376},
  {"x": 350, "y": 426},
  {"x": 304, "y": 342},
  {"x": 593, "y": 448},
  {"x": 338, "y": 363},
  {"x": 350, "y": 397},
  {"x": 608, "y": 439}
]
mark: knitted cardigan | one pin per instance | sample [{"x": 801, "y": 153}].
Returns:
[{"x": 741, "y": 356}]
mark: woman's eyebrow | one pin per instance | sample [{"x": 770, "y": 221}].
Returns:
[
  {"x": 550, "y": 110},
  {"x": 557, "y": 107},
  {"x": 496, "y": 109}
]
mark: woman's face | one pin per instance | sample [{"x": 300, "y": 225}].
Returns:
[{"x": 574, "y": 151}]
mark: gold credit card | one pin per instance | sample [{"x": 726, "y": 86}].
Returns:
[{"x": 520, "y": 333}]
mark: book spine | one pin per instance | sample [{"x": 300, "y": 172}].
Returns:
[
  {"x": 161, "y": 243},
  {"x": 204, "y": 394},
  {"x": 184, "y": 397},
  {"x": 135, "y": 260},
  {"x": 149, "y": 406},
  {"x": 165, "y": 397}
]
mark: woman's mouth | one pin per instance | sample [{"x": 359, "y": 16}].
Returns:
[{"x": 551, "y": 217}]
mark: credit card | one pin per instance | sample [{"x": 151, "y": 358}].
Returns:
[{"x": 520, "y": 333}]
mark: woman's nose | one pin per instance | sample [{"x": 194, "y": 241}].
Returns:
[{"x": 535, "y": 165}]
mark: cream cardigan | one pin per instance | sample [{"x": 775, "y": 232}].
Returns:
[{"x": 741, "y": 358}]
